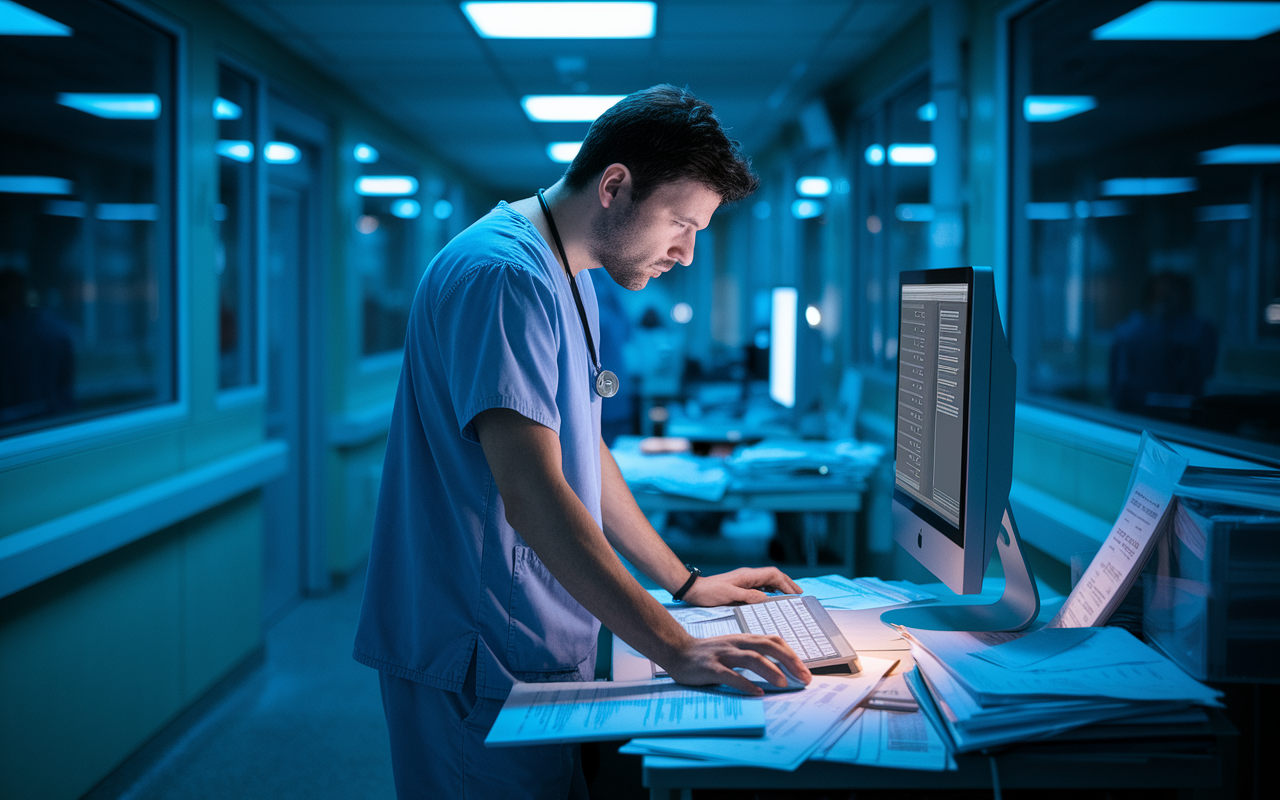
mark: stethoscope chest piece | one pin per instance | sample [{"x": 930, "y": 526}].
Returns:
[{"x": 606, "y": 383}]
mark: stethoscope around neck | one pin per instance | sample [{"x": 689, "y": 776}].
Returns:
[{"x": 606, "y": 383}]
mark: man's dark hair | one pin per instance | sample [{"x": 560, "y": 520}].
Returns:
[{"x": 663, "y": 134}]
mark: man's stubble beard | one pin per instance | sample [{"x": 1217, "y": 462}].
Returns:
[{"x": 614, "y": 246}]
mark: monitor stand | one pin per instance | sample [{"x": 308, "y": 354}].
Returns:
[{"x": 1016, "y": 609}]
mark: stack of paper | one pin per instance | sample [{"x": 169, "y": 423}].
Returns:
[
  {"x": 803, "y": 465},
  {"x": 796, "y": 724},
  {"x": 680, "y": 474},
  {"x": 854, "y": 594},
  {"x": 993, "y": 689}
]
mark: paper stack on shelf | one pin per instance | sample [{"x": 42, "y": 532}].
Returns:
[
  {"x": 674, "y": 473},
  {"x": 994, "y": 689},
  {"x": 803, "y": 465}
]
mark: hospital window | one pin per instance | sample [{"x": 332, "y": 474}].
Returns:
[
  {"x": 86, "y": 215},
  {"x": 388, "y": 252},
  {"x": 891, "y": 213},
  {"x": 1145, "y": 223},
  {"x": 235, "y": 216}
]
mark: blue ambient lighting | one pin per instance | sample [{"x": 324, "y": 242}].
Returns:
[
  {"x": 1273, "y": 314},
  {"x": 35, "y": 184},
  {"x": 1242, "y": 154},
  {"x": 281, "y": 153},
  {"x": 914, "y": 212},
  {"x": 225, "y": 109},
  {"x": 629, "y": 20},
  {"x": 443, "y": 209},
  {"x": 682, "y": 313},
  {"x": 235, "y": 149},
  {"x": 807, "y": 209},
  {"x": 874, "y": 155},
  {"x": 113, "y": 106},
  {"x": 1051, "y": 211},
  {"x": 16, "y": 20},
  {"x": 65, "y": 208},
  {"x": 913, "y": 155},
  {"x": 1171, "y": 21},
  {"x": 782, "y": 350},
  {"x": 127, "y": 212},
  {"x": 1121, "y": 187},
  {"x": 563, "y": 152},
  {"x": 365, "y": 154},
  {"x": 567, "y": 107},
  {"x": 386, "y": 185},
  {"x": 1051, "y": 108},
  {"x": 813, "y": 316},
  {"x": 927, "y": 112},
  {"x": 406, "y": 209},
  {"x": 1227, "y": 212},
  {"x": 813, "y": 186}
]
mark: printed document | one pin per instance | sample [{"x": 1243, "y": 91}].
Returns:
[
  {"x": 853, "y": 594},
  {"x": 1122, "y": 556},
  {"x": 879, "y": 738},
  {"x": 551, "y": 713},
  {"x": 796, "y": 723}
]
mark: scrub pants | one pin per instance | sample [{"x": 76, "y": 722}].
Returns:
[{"x": 437, "y": 748}]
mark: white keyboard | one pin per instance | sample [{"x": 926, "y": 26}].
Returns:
[{"x": 791, "y": 620}]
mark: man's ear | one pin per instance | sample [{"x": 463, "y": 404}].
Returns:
[{"x": 615, "y": 181}]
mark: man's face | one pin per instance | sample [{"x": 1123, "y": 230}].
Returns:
[{"x": 637, "y": 242}]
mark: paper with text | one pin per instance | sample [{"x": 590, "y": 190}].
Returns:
[
  {"x": 1122, "y": 556},
  {"x": 892, "y": 739},
  {"x": 549, "y": 713}
]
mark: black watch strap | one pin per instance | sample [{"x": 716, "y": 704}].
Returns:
[{"x": 694, "y": 572}]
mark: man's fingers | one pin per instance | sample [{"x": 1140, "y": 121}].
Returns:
[{"x": 737, "y": 680}]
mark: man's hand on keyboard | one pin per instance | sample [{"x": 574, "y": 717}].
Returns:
[
  {"x": 710, "y": 661},
  {"x": 739, "y": 586}
]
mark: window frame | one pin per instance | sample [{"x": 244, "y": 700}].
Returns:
[
  {"x": 39, "y": 445},
  {"x": 1012, "y": 267},
  {"x": 255, "y": 391}
]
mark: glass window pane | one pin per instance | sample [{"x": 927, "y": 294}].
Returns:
[
  {"x": 387, "y": 254},
  {"x": 1146, "y": 204},
  {"x": 235, "y": 215},
  {"x": 86, "y": 187}
]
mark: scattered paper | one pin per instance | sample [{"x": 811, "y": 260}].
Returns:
[
  {"x": 890, "y": 739},
  {"x": 1122, "y": 556},
  {"x": 892, "y": 695},
  {"x": 796, "y": 723},
  {"x": 852, "y": 594},
  {"x": 549, "y": 713},
  {"x": 1035, "y": 647}
]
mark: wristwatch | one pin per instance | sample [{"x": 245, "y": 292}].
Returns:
[{"x": 694, "y": 572}]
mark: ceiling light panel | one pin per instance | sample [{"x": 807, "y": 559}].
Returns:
[
  {"x": 567, "y": 107},
  {"x": 1242, "y": 154},
  {"x": 16, "y": 20},
  {"x": 113, "y": 106},
  {"x": 1164, "y": 20},
  {"x": 561, "y": 20},
  {"x": 563, "y": 152},
  {"x": 1052, "y": 108}
]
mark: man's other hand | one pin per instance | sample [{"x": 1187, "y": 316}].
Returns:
[
  {"x": 712, "y": 661},
  {"x": 742, "y": 585}
]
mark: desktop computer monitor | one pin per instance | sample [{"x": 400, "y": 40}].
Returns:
[{"x": 954, "y": 448}]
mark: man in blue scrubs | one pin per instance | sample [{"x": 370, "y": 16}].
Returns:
[{"x": 501, "y": 509}]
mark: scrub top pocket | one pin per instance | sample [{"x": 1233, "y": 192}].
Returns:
[{"x": 550, "y": 632}]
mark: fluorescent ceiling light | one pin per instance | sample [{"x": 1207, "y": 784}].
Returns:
[
  {"x": 561, "y": 20},
  {"x": 386, "y": 185},
  {"x": 127, "y": 212},
  {"x": 1108, "y": 208},
  {"x": 1051, "y": 108},
  {"x": 927, "y": 112},
  {"x": 807, "y": 209},
  {"x": 813, "y": 186},
  {"x": 914, "y": 212},
  {"x": 913, "y": 155},
  {"x": 16, "y": 20},
  {"x": 782, "y": 349},
  {"x": 35, "y": 184},
  {"x": 281, "y": 153},
  {"x": 567, "y": 107},
  {"x": 1121, "y": 187},
  {"x": 365, "y": 154},
  {"x": 563, "y": 152},
  {"x": 874, "y": 155},
  {"x": 225, "y": 109},
  {"x": 1048, "y": 210},
  {"x": 235, "y": 149},
  {"x": 443, "y": 209},
  {"x": 113, "y": 106},
  {"x": 1242, "y": 154},
  {"x": 1171, "y": 21},
  {"x": 406, "y": 209},
  {"x": 682, "y": 313}
]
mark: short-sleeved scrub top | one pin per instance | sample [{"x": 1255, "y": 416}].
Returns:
[{"x": 493, "y": 325}]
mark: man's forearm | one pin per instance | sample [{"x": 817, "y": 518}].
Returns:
[{"x": 628, "y": 529}]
